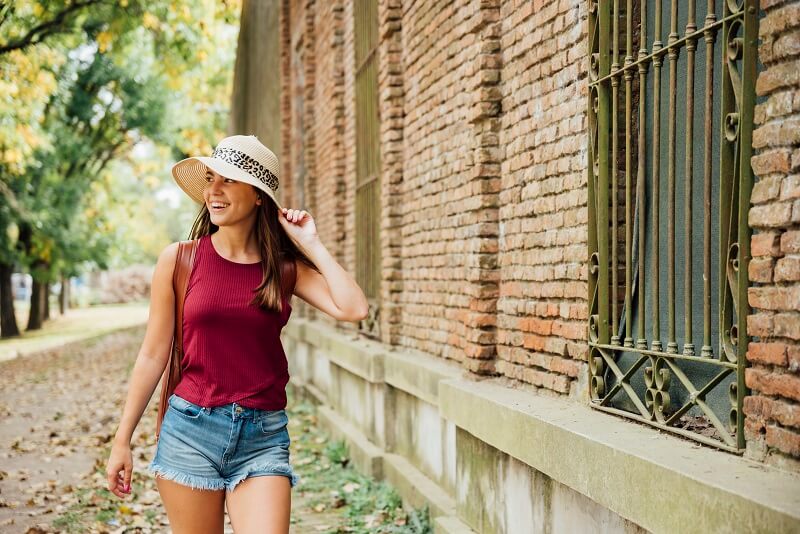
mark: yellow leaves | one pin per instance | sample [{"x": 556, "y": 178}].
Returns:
[
  {"x": 104, "y": 40},
  {"x": 12, "y": 156},
  {"x": 12, "y": 231},
  {"x": 152, "y": 182},
  {"x": 123, "y": 3},
  {"x": 42, "y": 247},
  {"x": 201, "y": 55},
  {"x": 174, "y": 83},
  {"x": 29, "y": 136},
  {"x": 37, "y": 9},
  {"x": 150, "y": 21},
  {"x": 233, "y": 5},
  {"x": 26, "y": 83},
  {"x": 195, "y": 142},
  {"x": 46, "y": 82},
  {"x": 9, "y": 88}
]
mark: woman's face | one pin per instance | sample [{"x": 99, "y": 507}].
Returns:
[{"x": 238, "y": 199}]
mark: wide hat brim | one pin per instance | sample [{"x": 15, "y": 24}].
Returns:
[{"x": 190, "y": 175}]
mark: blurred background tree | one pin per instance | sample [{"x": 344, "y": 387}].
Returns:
[{"x": 97, "y": 99}]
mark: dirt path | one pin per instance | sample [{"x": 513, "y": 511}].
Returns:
[{"x": 59, "y": 410}]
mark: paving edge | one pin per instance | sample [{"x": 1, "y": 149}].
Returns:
[{"x": 450, "y": 525}]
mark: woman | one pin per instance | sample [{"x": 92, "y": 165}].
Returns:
[{"x": 224, "y": 440}]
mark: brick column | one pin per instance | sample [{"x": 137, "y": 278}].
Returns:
[
  {"x": 481, "y": 210},
  {"x": 772, "y": 425},
  {"x": 391, "y": 98}
]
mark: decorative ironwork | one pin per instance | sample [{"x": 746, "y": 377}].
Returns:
[
  {"x": 368, "y": 183},
  {"x": 639, "y": 369}
]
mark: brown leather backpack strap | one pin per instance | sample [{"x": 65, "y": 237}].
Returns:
[
  {"x": 184, "y": 261},
  {"x": 180, "y": 281},
  {"x": 288, "y": 277}
]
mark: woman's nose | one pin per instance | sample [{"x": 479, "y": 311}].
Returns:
[{"x": 214, "y": 185}]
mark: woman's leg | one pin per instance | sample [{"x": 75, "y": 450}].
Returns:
[
  {"x": 261, "y": 505},
  {"x": 192, "y": 511}
]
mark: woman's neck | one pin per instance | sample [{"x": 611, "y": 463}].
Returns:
[{"x": 236, "y": 245}]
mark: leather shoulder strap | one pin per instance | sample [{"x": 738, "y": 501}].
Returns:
[
  {"x": 187, "y": 250},
  {"x": 288, "y": 277}
]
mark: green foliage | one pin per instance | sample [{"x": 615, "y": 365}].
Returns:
[
  {"x": 330, "y": 482},
  {"x": 83, "y": 83}
]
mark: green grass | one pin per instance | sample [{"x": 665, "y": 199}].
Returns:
[{"x": 364, "y": 505}]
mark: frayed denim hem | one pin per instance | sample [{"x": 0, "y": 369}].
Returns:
[
  {"x": 271, "y": 468},
  {"x": 191, "y": 481}
]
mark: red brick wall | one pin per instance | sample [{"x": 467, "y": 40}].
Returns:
[
  {"x": 772, "y": 409},
  {"x": 328, "y": 207},
  {"x": 484, "y": 220},
  {"x": 392, "y": 98},
  {"x": 542, "y": 314},
  {"x": 483, "y": 173}
]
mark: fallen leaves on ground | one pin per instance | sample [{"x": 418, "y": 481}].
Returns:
[{"x": 63, "y": 407}]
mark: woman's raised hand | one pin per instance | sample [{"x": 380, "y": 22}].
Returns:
[{"x": 299, "y": 225}]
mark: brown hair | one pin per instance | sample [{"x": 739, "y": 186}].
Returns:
[{"x": 275, "y": 245}]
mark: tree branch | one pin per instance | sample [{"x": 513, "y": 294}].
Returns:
[{"x": 55, "y": 25}]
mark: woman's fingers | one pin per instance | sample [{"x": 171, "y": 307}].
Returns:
[
  {"x": 119, "y": 482},
  {"x": 115, "y": 484},
  {"x": 128, "y": 476},
  {"x": 294, "y": 215}
]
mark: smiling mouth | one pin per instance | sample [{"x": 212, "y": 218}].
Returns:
[{"x": 218, "y": 206}]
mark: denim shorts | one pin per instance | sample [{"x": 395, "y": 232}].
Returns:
[{"x": 218, "y": 447}]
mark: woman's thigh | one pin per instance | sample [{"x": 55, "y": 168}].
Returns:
[
  {"x": 261, "y": 505},
  {"x": 186, "y": 467},
  {"x": 259, "y": 477},
  {"x": 192, "y": 511}
]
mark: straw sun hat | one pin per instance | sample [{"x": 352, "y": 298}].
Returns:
[{"x": 239, "y": 157}]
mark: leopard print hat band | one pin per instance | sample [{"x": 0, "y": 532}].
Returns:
[{"x": 239, "y": 157}]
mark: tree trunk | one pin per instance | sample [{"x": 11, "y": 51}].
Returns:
[
  {"x": 37, "y": 306},
  {"x": 46, "y": 312},
  {"x": 8, "y": 321},
  {"x": 63, "y": 298}
]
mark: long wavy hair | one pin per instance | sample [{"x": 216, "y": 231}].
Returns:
[{"x": 276, "y": 248}]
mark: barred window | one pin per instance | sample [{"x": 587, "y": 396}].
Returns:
[
  {"x": 671, "y": 101},
  {"x": 368, "y": 184}
]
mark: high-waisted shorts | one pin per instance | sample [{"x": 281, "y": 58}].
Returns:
[{"x": 218, "y": 447}]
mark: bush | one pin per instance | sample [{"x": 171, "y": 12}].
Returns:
[{"x": 125, "y": 285}]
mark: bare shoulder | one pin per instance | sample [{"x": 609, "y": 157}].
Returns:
[
  {"x": 170, "y": 251},
  {"x": 166, "y": 260}
]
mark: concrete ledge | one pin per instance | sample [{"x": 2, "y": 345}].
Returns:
[
  {"x": 296, "y": 329},
  {"x": 367, "y": 458},
  {"x": 655, "y": 480},
  {"x": 309, "y": 391},
  {"x": 415, "y": 488},
  {"x": 418, "y": 374},
  {"x": 362, "y": 357},
  {"x": 450, "y": 525}
]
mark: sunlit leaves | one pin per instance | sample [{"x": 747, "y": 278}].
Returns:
[{"x": 78, "y": 96}]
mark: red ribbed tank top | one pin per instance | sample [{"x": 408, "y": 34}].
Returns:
[{"x": 232, "y": 349}]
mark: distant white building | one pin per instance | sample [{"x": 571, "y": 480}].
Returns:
[{"x": 21, "y": 284}]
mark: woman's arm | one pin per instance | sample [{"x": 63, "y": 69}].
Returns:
[
  {"x": 334, "y": 291},
  {"x": 154, "y": 353}
]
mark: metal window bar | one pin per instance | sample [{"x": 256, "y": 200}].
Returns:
[
  {"x": 709, "y": 65},
  {"x": 368, "y": 189}
]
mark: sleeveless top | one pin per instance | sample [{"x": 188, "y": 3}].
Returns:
[{"x": 232, "y": 349}]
